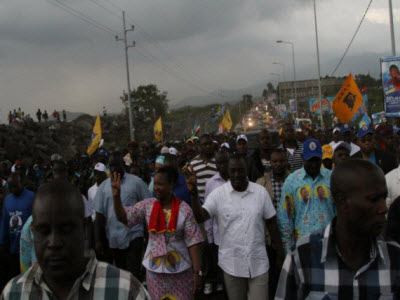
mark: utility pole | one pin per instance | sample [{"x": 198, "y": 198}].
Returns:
[
  {"x": 130, "y": 108},
  {"x": 392, "y": 28},
  {"x": 319, "y": 67}
]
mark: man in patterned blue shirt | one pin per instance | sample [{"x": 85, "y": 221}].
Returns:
[
  {"x": 349, "y": 259},
  {"x": 306, "y": 204}
]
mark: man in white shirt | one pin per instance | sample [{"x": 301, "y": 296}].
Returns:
[
  {"x": 347, "y": 136},
  {"x": 393, "y": 186},
  {"x": 99, "y": 175},
  {"x": 335, "y": 137},
  {"x": 240, "y": 208}
]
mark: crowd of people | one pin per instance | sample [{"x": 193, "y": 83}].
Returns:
[
  {"x": 314, "y": 216},
  {"x": 20, "y": 116}
]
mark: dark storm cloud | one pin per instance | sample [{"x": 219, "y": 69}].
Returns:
[{"x": 49, "y": 57}]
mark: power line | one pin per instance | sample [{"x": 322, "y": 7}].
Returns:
[
  {"x": 106, "y": 9},
  {"x": 166, "y": 69},
  {"x": 348, "y": 47},
  {"x": 153, "y": 41},
  {"x": 81, "y": 16},
  {"x": 107, "y": 29}
]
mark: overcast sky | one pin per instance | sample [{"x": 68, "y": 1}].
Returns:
[{"x": 53, "y": 60}]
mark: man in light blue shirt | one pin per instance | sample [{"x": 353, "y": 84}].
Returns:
[
  {"x": 125, "y": 243},
  {"x": 306, "y": 204}
]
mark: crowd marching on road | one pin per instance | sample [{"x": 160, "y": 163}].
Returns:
[{"x": 314, "y": 216}]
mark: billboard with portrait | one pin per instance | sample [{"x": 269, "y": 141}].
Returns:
[{"x": 390, "y": 67}]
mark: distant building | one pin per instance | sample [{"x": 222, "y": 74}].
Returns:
[{"x": 307, "y": 89}]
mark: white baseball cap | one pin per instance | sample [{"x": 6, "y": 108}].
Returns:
[
  {"x": 164, "y": 150},
  {"x": 336, "y": 129},
  {"x": 173, "y": 151},
  {"x": 100, "y": 167},
  {"x": 342, "y": 145},
  {"x": 225, "y": 145},
  {"x": 241, "y": 137}
]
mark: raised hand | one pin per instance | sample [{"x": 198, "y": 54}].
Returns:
[{"x": 116, "y": 184}]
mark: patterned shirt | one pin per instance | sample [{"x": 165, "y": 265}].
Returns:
[
  {"x": 305, "y": 206},
  {"x": 99, "y": 281},
  {"x": 204, "y": 171},
  {"x": 174, "y": 244},
  {"x": 315, "y": 270},
  {"x": 276, "y": 191},
  {"x": 295, "y": 159}
]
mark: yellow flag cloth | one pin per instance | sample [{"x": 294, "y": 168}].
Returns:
[
  {"x": 227, "y": 121},
  {"x": 347, "y": 101},
  {"x": 158, "y": 130},
  {"x": 96, "y": 137}
]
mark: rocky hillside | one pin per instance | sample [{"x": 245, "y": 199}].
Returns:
[{"x": 32, "y": 141}]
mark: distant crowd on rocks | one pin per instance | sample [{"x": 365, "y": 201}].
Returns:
[{"x": 20, "y": 116}]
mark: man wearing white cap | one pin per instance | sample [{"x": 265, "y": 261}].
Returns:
[
  {"x": 173, "y": 151},
  {"x": 99, "y": 175},
  {"x": 341, "y": 152},
  {"x": 241, "y": 145},
  {"x": 335, "y": 137}
]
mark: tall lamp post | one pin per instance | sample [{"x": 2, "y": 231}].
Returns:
[
  {"x": 391, "y": 28},
  {"x": 294, "y": 73},
  {"x": 319, "y": 67},
  {"x": 283, "y": 68},
  {"x": 280, "y": 94}
]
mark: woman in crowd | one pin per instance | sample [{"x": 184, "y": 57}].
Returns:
[{"x": 172, "y": 257}]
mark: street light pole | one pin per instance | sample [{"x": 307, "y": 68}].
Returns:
[
  {"x": 280, "y": 94},
  {"x": 392, "y": 28},
  {"x": 294, "y": 75},
  {"x": 130, "y": 108},
  {"x": 319, "y": 68},
  {"x": 283, "y": 68}
]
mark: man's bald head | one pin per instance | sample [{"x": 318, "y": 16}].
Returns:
[
  {"x": 352, "y": 175},
  {"x": 59, "y": 194},
  {"x": 359, "y": 190}
]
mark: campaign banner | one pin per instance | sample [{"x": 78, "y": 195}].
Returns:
[
  {"x": 292, "y": 105},
  {"x": 280, "y": 108},
  {"x": 390, "y": 67},
  {"x": 363, "y": 108},
  {"x": 314, "y": 104}
]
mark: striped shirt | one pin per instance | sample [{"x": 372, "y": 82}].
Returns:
[
  {"x": 315, "y": 270},
  {"x": 295, "y": 159},
  {"x": 204, "y": 171},
  {"x": 99, "y": 281}
]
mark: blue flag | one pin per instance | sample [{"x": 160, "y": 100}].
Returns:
[{"x": 365, "y": 121}]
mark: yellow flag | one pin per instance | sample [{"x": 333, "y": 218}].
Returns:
[
  {"x": 227, "y": 121},
  {"x": 96, "y": 137},
  {"x": 158, "y": 130},
  {"x": 347, "y": 101}
]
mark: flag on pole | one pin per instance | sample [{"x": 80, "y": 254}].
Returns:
[
  {"x": 347, "y": 101},
  {"x": 158, "y": 130},
  {"x": 96, "y": 137},
  {"x": 365, "y": 121},
  {"x": 220, "y": 128},
  {"x": 196, "y": 129},
  {"x": 227, "y": 121}
]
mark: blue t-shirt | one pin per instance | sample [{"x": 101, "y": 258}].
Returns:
[
  {"x": 181, "y": 190},
  {"x": 16, "y": 210},
  {"x": 372, "y": 158}
]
